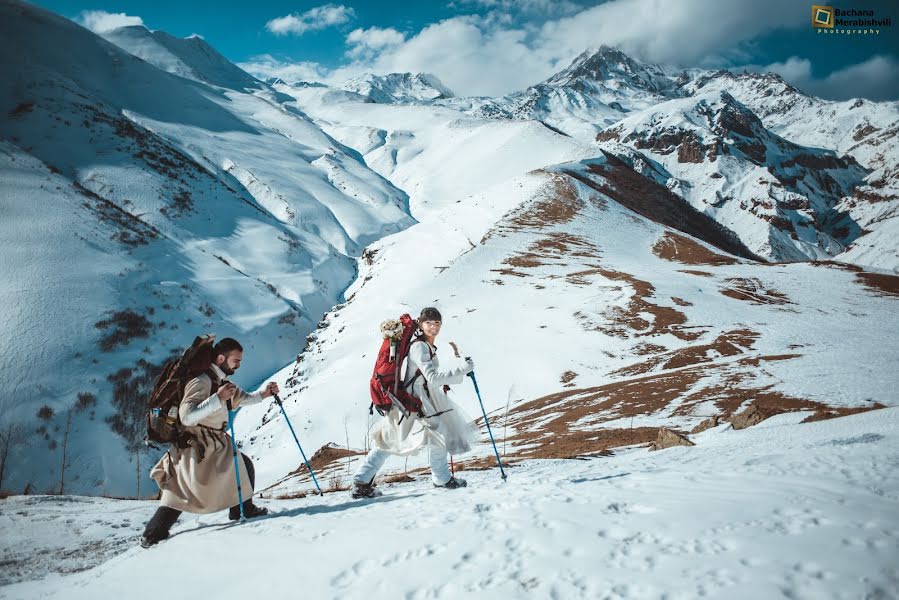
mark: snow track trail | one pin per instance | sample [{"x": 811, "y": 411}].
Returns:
[{"x": 778, "y": 510}]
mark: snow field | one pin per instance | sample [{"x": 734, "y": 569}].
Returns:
[{"x": 777, "y": 510}]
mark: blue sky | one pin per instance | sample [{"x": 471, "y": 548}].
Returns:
[{"x": 491, "y": 47}]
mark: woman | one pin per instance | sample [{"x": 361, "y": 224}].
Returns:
[{"x": 444, "y": 428}]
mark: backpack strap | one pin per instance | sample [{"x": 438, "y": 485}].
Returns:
[{"x": 214, "y": 379}]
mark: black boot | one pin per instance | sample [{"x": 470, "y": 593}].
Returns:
[
  {"x": 365, "y": 490},
  {"x": 250, "y": 511},
  {"x": 453, "y": 484},
  {"x": 158, "y": 527}
]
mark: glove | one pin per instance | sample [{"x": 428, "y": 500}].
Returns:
[{"x": 469, "y": 365}]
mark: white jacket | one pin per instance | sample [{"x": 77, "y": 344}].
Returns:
[{"x": 452, "y": 429}]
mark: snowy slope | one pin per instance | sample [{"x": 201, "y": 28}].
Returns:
[
  {"x": 189, "y": 208},
  {"x": 436, "y": 154},
  {"x": 780, "y": 510},
  {"x": 779, "y": 198},
  {"x": 561, "y": 293},
  {"x": 596, "y": 90},
  {"x": 598, "y": 305},
  {"x": 190, "y": 57},
  {"x": 867, "y": 131},
  {"x": 604, "y": 87}
]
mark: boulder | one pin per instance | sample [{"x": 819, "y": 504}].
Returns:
[
  {"x": 707, "y": 424},
  {"x": 749, "y": 417},
  {"x": 668, "y": 438}
]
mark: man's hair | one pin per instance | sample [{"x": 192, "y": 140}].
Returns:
[
  {"x": 225, "y": 346},
  {"x": 429, "y": 314}
]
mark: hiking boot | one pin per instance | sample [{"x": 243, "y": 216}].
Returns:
[
  {"x": 365, "y": 490},
  {"x": 147, "y": 541},
  {"x": 249, "y": 512},
  {"x": 453, "y": 484}
]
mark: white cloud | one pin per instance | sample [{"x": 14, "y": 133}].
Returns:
[
  {"x": 313, "y": 19},
  {"x": 526, "y": 7},
  {"x": 366, "y": 42},
  {"x": 467, "y": 54},
  {"x": 493, "y": 54},
  {"x": 875, "y": 79},
  {"x": 794, "y": 69},
  {"x": 688, "y": 32},
  {"x": 266, "y": 65},
  {"x": 99, "y": 21}
]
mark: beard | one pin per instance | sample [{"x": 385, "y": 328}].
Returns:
[{"x": 226, "y": 370}]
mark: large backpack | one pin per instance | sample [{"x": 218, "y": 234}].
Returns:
[
  {"x": 163, "y": 423},
  {"x": 386, "y": 385}
]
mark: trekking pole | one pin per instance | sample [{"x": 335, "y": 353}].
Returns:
[
  {"x": 234, "y": 453},
  {"x": 484, "y": 412},
  {"x": 308, "y": 466}
]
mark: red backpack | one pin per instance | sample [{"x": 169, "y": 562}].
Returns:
[{"x": 387, "y": 389}]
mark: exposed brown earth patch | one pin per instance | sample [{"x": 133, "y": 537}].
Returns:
[
  {"x": 755, "y": 361},
  {"x": 730, "y": 343},
  {"x": 699, "y": 273},
  {"x": 564, "y": 424},
  {"x": 326, "y": 457},
  {"x": 645, "y": 348},
  {"x": 833, "y": 413},
  {"x": 508, "y": 272},
  {"x": 883, "y": 285},
  {"x": 557, "y": 208},
  {"x": 399, "y": 478},
  {"x": 575, "y": 444},
  {"x": 484, "y": 463},
  {"x": 620, "y": 182},
  {"x": 623, "y": 322},
  {"x": 680, "y": 301},
  {"x": 750, "y": 289},
  {"x": 551, "y": 249},
  {"x": 880, "y": 283},
  {"x": 581, "y": 277},
  {"x": 773, "y": 403},
  {"x": 678, "y": 248}
]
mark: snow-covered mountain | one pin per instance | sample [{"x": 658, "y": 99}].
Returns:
[
  {"x": 142, "y": 208},
  {"x": 710, "y": 149},
  {"x": 200, "y": 199},
  {"x": 596, "y": 90},
  {"x": 603, "y": 300},
  {"x": 398, "y": 87},
  {"x": 604, "y": 90},
  {"x": 188, "y": 57}
]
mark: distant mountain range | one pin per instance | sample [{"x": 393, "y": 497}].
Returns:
[{"x": 152, "y": 191}]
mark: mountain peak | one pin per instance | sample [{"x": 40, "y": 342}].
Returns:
[
  {"x": 398, "y": 87},
  {"x": 191, "y": 57},
  {"x": 608, "y": 63}
]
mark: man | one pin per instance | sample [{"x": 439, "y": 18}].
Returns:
[
  {"x": 200, "y": 478},
  {"x": 445, "y": 429}
]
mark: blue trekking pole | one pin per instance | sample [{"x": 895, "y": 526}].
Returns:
[
  {"x": 478, "y": 392},
  {"x": 234, "y": 453},
  {"x": 308, "y": 466}
]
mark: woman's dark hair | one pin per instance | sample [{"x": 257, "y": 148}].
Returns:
[
  {"x": 429, "y": 314},
  {"x": 225, "y": 346}
]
